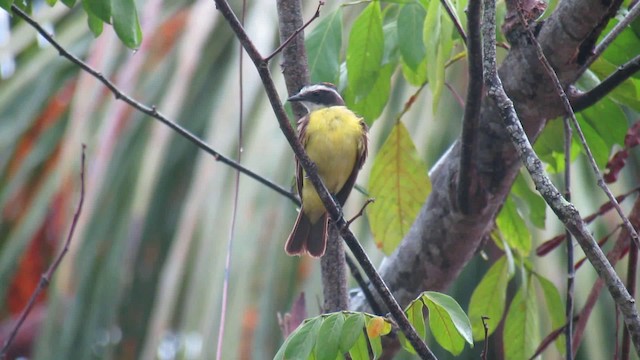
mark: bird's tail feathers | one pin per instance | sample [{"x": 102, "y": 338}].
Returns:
[{"x": 308, "y": 238}]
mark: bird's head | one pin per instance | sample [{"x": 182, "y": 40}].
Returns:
[{"x": 317, "y": 96}]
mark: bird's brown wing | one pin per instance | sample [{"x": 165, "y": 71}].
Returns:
[
  {"x": 360, "y": 159},
  {"x": 302, "y": 137}
]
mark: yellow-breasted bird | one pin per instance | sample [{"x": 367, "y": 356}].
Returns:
[{"x": 336, "y": 140}]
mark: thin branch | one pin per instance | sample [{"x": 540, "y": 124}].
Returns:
[
  {"x": 309, "y": 167},
  {"x": 45, "y": 279},
  {"x": 571, "y": 271},
  {"x": 454, "y": 19},
  {"x": 632, "y": 273},
  {"x": 361, "y": 212},
  {"x": 624, "y": 72},
  {"x": 565, "y": 211},
  {"x": 551, "y": 244},
  {"x": 295, "y": 33},
  {"x": 466, "y": 171},
  {"x": 151, "y": 111},
  {"x": 619, "y": 249},
  {"x": 236, "y": 194},
  {"x": 485, "y": 349},
  {"x": 614, "y": 33}
]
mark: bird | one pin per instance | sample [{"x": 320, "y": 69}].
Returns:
[{"x": 336, "y": 140}]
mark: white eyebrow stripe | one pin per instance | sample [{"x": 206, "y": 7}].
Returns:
[{"x": 314, "y": 87}]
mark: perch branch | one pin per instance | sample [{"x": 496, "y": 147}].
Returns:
[{"x": 310, "y": 169}]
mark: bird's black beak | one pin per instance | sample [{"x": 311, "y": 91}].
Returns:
[{"x": 296, "y": 97}]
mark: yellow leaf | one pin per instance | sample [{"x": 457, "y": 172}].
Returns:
[{"x": 400, "y": 184}]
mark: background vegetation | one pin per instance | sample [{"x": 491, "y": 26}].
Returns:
[{"x": 144, "y": 275}]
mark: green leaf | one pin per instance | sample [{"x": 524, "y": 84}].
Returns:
[
  {"x": 69, "y": 3},
  {"x": 416, "y": 318},
  {"x": 520, "y": 335},
  {"x": 365, "y": 50},
  {"x": 100, "y": 8},
  {"x": 376, "y": 347},
  {"x": 488, "y": 299},
  {"x": 536, "y": 206},
  {"x": 400, "y": 185},
  {"x": 6, "y": 4},
  {"x": 599, "y": 148},
  {"x": 513, "y": 228},
  {"x": 410, "y": 30},
  {"x": 438, "y": 29},
  {"x": 353, "y": 327},
  {"x": 360, "y": 350},
  {"x": 323, "y": 48},
  {"x": 613, "y": 130},
  {"x": 624, "y": 47},
  {"x": 555, "y": 309},
  {"x": 417, "y": 77},
  {"x": 301, "y": 341},
  {"x": 328, "y": 341},
  {"x": 95, "y": 24},
  {"x": 51, "y": 2},
  {"x": 125, "y": 23},
  {"x": 550, "y": 146},
  {"x": 449, "y": 324},
  {"x": 370, "y": 106}
]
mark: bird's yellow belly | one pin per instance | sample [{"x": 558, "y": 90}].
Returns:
[{"x": 333, "y": 140}]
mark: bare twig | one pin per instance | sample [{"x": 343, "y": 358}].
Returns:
[
  {"x": 361, "y": 212},
  {"x": 150, "y": 110},
  {"x": 234, "y": 211},
  {"x": 466, "y": 170},
  {"x": 45, "y": 279},
  {"x": 613, "y": 256},
  {"x": 614, "y": 33},
  {"x": 632, "y": 273},
  {"x": 551, "y": 244},
  {"x": 295, "y": 33},
  {"x": 565, "y": 211},
  {"x": 329, "y": 202},
  {"x": 485, "y": 349}
]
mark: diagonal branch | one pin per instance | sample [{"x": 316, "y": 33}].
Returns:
[
  {"x": 150, "y": 110},
  {"x": 565, "y": 211},
  {"x": 586, "y": 99},
  {"x": 329, "y": 202},
  {"x": 608, "y": 39},
  {"x": 45, "y": 279}
]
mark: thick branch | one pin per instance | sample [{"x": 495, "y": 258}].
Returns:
[
  {"x": 471, "y": 110},
  {"x": 565, "y": 211}
]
